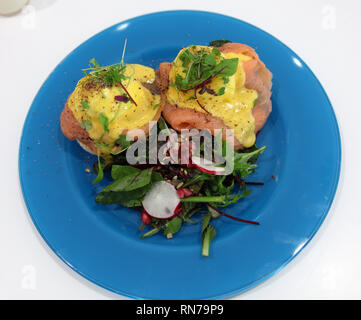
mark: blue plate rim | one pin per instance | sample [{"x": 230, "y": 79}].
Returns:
[{"x": 253, "y": 283}]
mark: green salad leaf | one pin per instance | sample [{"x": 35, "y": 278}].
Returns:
[
  {"x": 104, "y": 122},
  {"x": 172, "y": 226},
  {"x": 208, "y": 233},
  {"x": 218, "y": 43},
  {"x": 123, "y": 141},
  {"x": 100, "y": 172},
  {"x": 202, "y": 66},
  {"x": 129, "y": 187},
  {"x": 120, "y": 171},
  {"x": 206, "y": 192},
  {"x": 244, "y": 163}
]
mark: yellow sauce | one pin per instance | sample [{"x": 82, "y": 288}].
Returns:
[
  {"x": 121, "y": 115},
  {"x": 234, "y": 107}
]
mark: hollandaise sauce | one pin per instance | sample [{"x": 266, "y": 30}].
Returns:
[
  {"x": 105, "y": 111},
  {"x": 223, "y": 97}
]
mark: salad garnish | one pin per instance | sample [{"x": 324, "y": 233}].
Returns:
[
  {"x": 201, "y": 194},
  {"x": 200, "y": 67}
]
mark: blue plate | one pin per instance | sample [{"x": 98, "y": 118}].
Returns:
[{"x": 300, "y": 168}]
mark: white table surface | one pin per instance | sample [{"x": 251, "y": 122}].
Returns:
[{"x": 325, "y": 33}]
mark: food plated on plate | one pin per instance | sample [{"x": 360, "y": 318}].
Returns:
[
  {"x": 214, "y": 88},
  {"x": 109, "y": 102},
  {"x": 223, "y": 89}
]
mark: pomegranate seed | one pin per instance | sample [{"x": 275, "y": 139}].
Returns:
[
  {"x": 187, "y": 192},
  {"x": 180, "y": 193},
  {"x": 145, "y": 217},
  {"x": 184, "y": 192}
]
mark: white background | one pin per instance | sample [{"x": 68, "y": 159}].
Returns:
[{"x": 325, "y": 33}]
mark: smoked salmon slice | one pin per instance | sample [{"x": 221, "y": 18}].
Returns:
[
  {"x": 258, "y": 78},
  {"x": 73, "y": 131}
]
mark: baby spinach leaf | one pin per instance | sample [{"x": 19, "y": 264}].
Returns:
[
  {"x": 119, "y": 171},
  {"x": 130, "y": 186},
  {"x": 131, "y": 181},
  {"x": 156, "y": 176},
  {"x": 173, "y": 225},
  {"x": 126, "y": 198}
]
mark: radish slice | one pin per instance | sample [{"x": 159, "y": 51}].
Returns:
[
  {"x": 207, "y": 166},
  {"x": 162, "y": 201}
]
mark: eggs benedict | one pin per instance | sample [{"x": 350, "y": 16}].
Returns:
[
  {"x": 108, "y": 103},
  {"x": 226, "y": 87}
]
